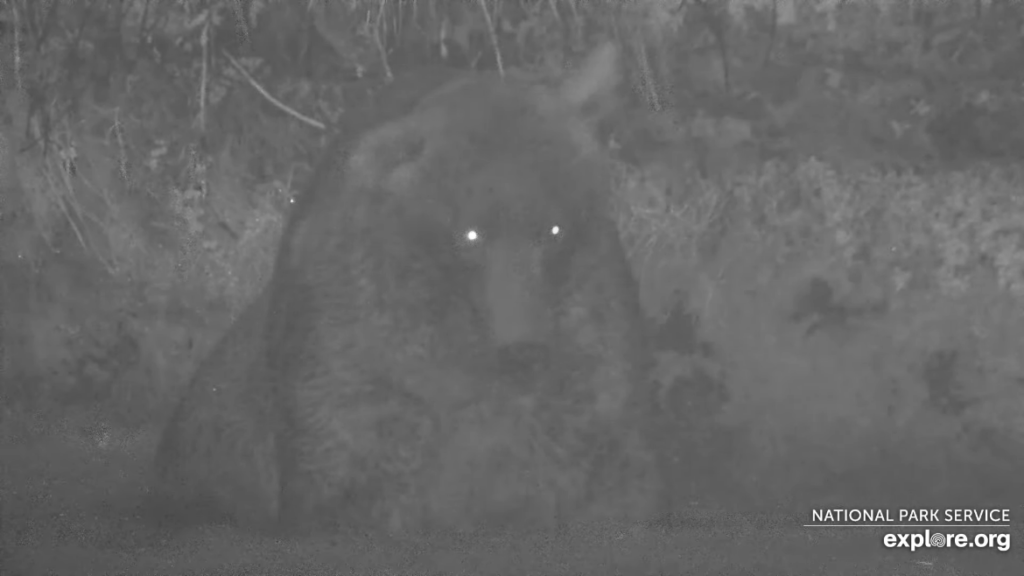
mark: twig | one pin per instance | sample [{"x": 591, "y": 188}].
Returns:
[
  {"x": 270, "y": 98},
  {"x": 494, "y": 37},
  {"x": 380, "y": 43}
]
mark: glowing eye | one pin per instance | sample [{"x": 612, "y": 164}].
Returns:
[
  {"x": 555, "y": 231},
  {"x": 471, "y": 236}
]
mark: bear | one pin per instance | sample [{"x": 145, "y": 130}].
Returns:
[
  {"x": 455, "y": 340},
  {"x": 216, "y": 460}
]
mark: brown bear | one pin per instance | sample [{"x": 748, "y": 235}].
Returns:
[{"x": 455, "y": 339}]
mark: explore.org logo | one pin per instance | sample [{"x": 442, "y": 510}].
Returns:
[
  {"x": 935, "y": 527},
  {"x": 929, "y": 539}
]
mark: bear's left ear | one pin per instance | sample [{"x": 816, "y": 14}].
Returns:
[
  {"x": 389, "y": 157},
  {"x": 593, "y": 85}
]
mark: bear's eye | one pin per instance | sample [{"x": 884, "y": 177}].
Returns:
[
  {"x": 471, "y": 237},
  {"x": 553, "y": 233}
]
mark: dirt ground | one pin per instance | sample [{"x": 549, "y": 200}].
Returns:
[{"x": 71, "y": 506}]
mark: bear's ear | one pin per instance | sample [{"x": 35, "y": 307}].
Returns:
[
  {"x": 594, "y": 84},
  {"x": 389, "y": 157}
]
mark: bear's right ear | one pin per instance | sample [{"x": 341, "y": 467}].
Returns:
[
  {"x": 390, "y": 157},
  {"x": 595, "y": 81}
]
